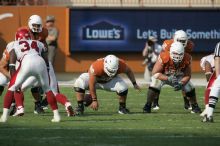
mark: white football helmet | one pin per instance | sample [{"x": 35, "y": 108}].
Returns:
[
  {"x": 111, "y": 63},
  {"x": 35, "y": 23},
  {"x": 181, "y": 36},
  {"x": 177, "y": 52}
]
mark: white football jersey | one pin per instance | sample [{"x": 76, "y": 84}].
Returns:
[
  {"x": 208, "y": 58},
  {"x": 26, "y": 47},
  {"x": 9, "y": 46}
]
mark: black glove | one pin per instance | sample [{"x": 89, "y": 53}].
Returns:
[
  {"x": 178, "y": 86},
  {"x": 172, "y": 79}
]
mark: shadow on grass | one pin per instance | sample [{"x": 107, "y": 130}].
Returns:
[{"x": 63, "y": 136}]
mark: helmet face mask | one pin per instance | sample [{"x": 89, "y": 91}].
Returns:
[
  {"x": 177, "y": 52},
  {"x": 36, "y": 28},
  {"x": 177, "y": 57},
  {"x": 181, "y": 36},
  {"x": 111, "y": 63},
  {"x": 35, "y": 23}
]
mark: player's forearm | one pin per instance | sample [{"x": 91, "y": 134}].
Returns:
[
  {"x": 185, "y": 79},
  {"x": 160, "y": 76},
  {"x": 131, "y": 76},
  {"x": 217, "y": 66},
  {"x": 92, "y": 89}
]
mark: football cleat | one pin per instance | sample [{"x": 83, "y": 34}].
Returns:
[
  {"x": 3, "y": 119},
  {"x": 12, "y": 109},
  {"x": 19, "y": 112},
  {"x": 147, "y": 108},
  {"x": 187, "y": 106},
  {"x": 44, "y": 104},
  {"x": 79, "y": 111},
  {"x": 38, "y": 109},
  {"x": 56, "y": 119},
  {"x": 156, "y": 107},
  {"x": 195, "y": 108},
  {"x": 123, "y": 111},
  {"x": 207, "y": 119},
  {"x": 70, "y": 112}
]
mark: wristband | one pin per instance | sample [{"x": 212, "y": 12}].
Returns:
[
  {"x": 208, "y": 73},
  {"x": 94, "y": 99},
  {"x": 12, "y": 65}
]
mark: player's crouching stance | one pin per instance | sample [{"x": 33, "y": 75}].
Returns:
[
  {"x": 215, "y": 90},
  {"x": 172, "y": 68},
  {"x": 28, "y": 52},
  {"x": 103, "y": 74}
]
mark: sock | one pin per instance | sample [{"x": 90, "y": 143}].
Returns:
[
  {"x": 61, "y": 98},
  {"x": 151, "y": 94},
  {"x": 8, "y": 98},
  {"x": 67, "y": 104},
  {"x": 206, "y": 100},
  {"x": 156, "y": 100},
  {"x": 4, "y": 116},
  {"x": 55, "y": 112},
  {"x": 122, "y": 105},
  {"x": 186, "y": 101},
  {"x": 51, "y": 100},
  {"x": 80, "y": 104},
  {"x": 210, "y": 111},
  {"x": 56, "y": 115},
  {"x": 212, "y": 102},
  {"x": 19, "y": 98}
]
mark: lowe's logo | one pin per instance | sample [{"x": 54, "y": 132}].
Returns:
[{"x": 103, "y": 31}]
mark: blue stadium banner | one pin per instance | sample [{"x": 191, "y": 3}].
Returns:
[{"x": 128, "y": 29}]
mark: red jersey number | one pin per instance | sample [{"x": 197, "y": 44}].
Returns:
[{"x": 28, "y": 47}]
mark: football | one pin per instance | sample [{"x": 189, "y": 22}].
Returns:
[{"x": 87, "y": 99}]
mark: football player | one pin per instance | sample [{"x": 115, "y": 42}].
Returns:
[
  {"x": 32, "y": 58},
  {"x": 104, "y": 74},
  {"x": 40, "y": 33},
  {"x": 207, "y": 65},
  {"x": 179, "y": 36},
  {"x": 215, "y": 90},
  {"x": 172, "y": 68},
  {"x": 4, "y": 72}
]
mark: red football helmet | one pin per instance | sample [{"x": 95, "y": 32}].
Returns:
[{"x": 22, "y": 34}]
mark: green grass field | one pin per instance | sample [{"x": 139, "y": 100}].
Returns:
[{"x": 171, "y": 125}]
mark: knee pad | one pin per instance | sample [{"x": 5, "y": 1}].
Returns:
[
  {"x": 80, "y": 90},
  {"x": 124, "y": 93},
  {"x": 35, "y": 90},
  {"x": 155, "y": 83}
]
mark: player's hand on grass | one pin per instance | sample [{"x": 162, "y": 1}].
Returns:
[
  {"x": 95, "y": 105},
  {"x": 137, "y": 87},
  {"x": 172, "y": 79},
  {"x": 178, "y": 86}
]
